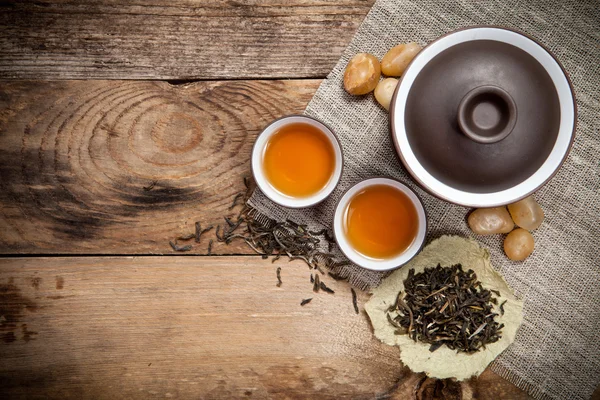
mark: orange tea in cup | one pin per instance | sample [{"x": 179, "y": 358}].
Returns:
[
  {"x": 381, "y": 222},
  {"x": 298, "y": 160}
]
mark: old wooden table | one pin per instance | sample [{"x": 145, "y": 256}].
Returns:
[{"x": 121, "y": 124}]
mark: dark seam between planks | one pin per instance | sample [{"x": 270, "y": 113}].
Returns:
[
  {"x": 184, "y": 81},
  {"x": 226, "y": 15},
  {"x": 172, "y": 82},
  {"x": 105, "y": 255}
]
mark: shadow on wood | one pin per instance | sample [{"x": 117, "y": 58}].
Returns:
[{"x": 121, "y": 167}]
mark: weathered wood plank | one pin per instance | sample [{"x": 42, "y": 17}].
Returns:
[
  {"x": 119, "y": 167},
  {"x": 194, "y": 327},
  {"x": 181, "y": 39}
]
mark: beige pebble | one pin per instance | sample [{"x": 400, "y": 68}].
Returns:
[
  {"x": 489, "y": 221},
  {"x": 362, "y": 74},
  {"x": 384, "y": 92},
  {"x": 398, "y": 57},
  {"x": 527, "y": 213},
  {"x": 518, "y": 244}
]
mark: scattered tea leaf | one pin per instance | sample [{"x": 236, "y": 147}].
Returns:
[
  {"x": 354, "y": 302},
  {"x": 325, "y": 288},
  {"x": 198, "y": 231},
  {"x": 180, "y": 248},
  {"x": 435, "y": 346},
  {"x": 270, "y": 238},
  {"x": 219, "y": 238},
  {"x": 317, "y": 284},
  {"x": 210, "y": 244},
  {"x": 235, "y": 200},
  {"x": 279, "y": 282},
  {"x": 305, "y": 301},
  {"x": 229, "y": 222},
  {"x": 150, "y": 186}
]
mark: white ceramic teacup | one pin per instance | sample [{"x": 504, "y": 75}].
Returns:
[
  {"x": 373, "y": 263},
  {"x": 258, "y": 168}
]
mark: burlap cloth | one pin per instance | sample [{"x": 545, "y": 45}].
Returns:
[{"x": 556, "y": 354}]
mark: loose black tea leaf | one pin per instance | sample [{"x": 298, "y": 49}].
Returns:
[
  {"x": 325, "y": 288},
  {"x": 187, "y": 237},
  {"x": 502, "y": 307},
  {"x": 235, "y": 200},
  {"x": 446, "y": 306},
  {"x": 393, "y": 322},
  {"x": 198, "y": 231},
  {"x": 312, "y": 278},
  {"x": 279, "y": 282},
  {"x": 180, "y": 248},
  {"x": 210, "y": 243},
  {"x": 219, "y": 238},
  {"x": 270, "y": 238},
  {"x": 229, "y": 221},
  {"x": 317, "y": 284},
  {"x": 150, "y": 186},
  {"x": 435, "y": 346},
  {"x": 354, "y": 303},
  {"x": 305, "y": 301}
]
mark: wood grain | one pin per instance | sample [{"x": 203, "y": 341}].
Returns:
[
  {"x": 118, "y": 167},
  {"x": 175, "y": 39},
  {"x": 175, "y": 327}
]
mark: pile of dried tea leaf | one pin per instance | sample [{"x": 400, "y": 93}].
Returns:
[
  {"x": 268, "y": 237},
  {"x": 279, "y": 239},
  {"x": 446, "y": 306},
  {"x": 416, "y": 285},
  {"x": 271, "y": 238}
]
